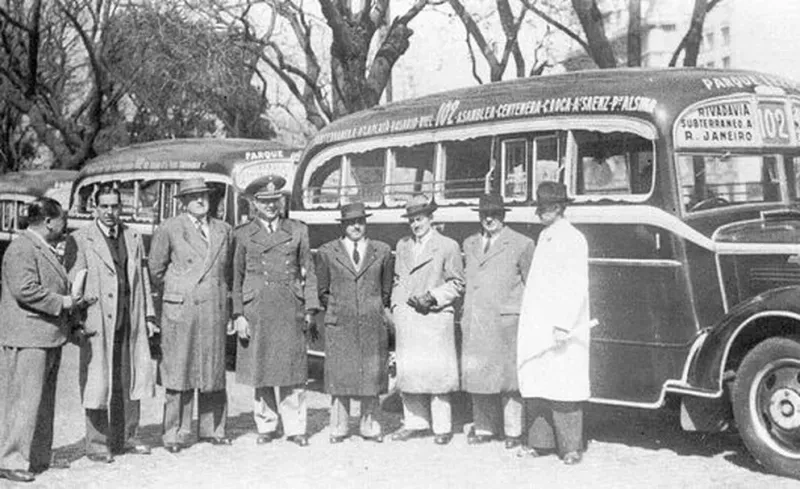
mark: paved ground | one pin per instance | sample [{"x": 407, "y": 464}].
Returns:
[{"x": 627, "y": 449}]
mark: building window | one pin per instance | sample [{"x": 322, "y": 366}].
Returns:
[
  {"x": 726, "y": 35},
  {"x": 726, "y": 62},
  {"x": 709, "y": 41}
]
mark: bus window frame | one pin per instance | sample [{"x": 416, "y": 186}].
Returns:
[
  {"x": 527, "y": 163},
  {"x": 603, "y": 123}
]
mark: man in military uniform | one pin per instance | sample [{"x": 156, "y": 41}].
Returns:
[{"x": 274, "y": 300}]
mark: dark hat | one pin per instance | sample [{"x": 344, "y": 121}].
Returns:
[
  {"x": 268, "y": 187},
  {"x": 552, "y": 193},
  {"x": 419, "y": 204},
  {"x": 192, "y": 186},
  {"x": 490, "y": 203},
  {"x": 352, "y": 211}
]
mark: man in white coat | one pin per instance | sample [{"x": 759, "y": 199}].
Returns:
[{"x": 553, "y": 335}]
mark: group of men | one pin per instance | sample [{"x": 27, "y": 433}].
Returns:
[{"x": 524, "y": 325}]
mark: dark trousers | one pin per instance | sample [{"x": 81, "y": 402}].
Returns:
[
  {"x": 212, "y": 408},
  {"x": 109, "y": 430},
  {"x": 27, "y": 406},
  {"x": 554, "y": 425}
]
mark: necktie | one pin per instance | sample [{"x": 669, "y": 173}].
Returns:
[
  {"x": 356, "y": 255},
  {"x": 112, "y": 233},
  {"x": 487, "y": 245},
  {"x": 202, "y": 231}
]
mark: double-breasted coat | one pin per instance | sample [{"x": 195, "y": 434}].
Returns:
[
  {"x": 274, "y": 285},
  {"x": 556, "y": 296},
  {"x": 193, "y": 276},
  {"x": 495, "y": 282},
  {"x": 356, "y": 333},
  {"x": 427, "y": 361},
  {"x": 34, "y": 285},
  {"x": 87, "y": 250}
]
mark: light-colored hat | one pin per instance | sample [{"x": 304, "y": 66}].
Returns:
[
  {"x": 192, "y": 186},
  {"x": 355, "y": 210},
  {"x": 419, "y": 204},
  {"x": 269, "y": 187}
]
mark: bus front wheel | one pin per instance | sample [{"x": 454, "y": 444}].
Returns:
[{"x": 766, "y": 404}]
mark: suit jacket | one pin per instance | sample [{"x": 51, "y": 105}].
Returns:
[
  {"x": 193, "y": 278},
  {"x": 274, "y": 285},
  {"x": 356, "y": 333},
  {"x": 426, "y": 348},
  {"x": 495, "y": 284},
  {"x": 87, "y": 250},
  {"x": 34, "y": 285}
]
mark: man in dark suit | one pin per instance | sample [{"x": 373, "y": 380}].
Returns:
[
  {"x": 190, "y": 265},
  {"x": 354, "y": 276},
  {"x": 116, "y": 368},
  {"x": 274, "y": 299},
  {"x": 35, "y": 300}
]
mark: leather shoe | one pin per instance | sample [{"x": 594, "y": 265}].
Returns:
[
  {"x": 264, "y": 438},
  {"x": 513, "y": 442},
  {"x": 443, "y": 439},
  {"x": 527, "y": 452},
  {"x": 375, "y": 439},
  {"x": 17, "y": 475},
  {"x": 406, "y": 434},
  {"x": 138, "y": 449},
  {"x": 173, "y": 448},
  {"x": 476, "y": 439},
  {"x": 217, "y": 440},
  {"x": 57, "y": 464},
  {"x": 102, "y": 458},
  {"x": 299, "y": 440},
  {"x": 334, "y": 439},
  {"x": 572, "y": 458}
]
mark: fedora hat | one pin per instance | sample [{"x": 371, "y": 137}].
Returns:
[
  {"x": 268, "y": 187},
  {"x": 419, "y": 204},
  {"x": 551, "y": 193},
  {"x": 490, "y": 203},
  {"x": 352, "y": 211},
  {"x": 192, "y": 186}
]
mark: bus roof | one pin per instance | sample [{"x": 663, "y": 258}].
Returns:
[
  {"x": 213, "y": 155},
  {"x": 632, "y": 92},
  {"x": 35, "y": 182}
]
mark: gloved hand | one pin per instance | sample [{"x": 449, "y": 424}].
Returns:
[
  {"x": 413, "y": 301},
  {"x": 422, "y": 303},
  {"x": 310, "y": 327},
  {"x": 427, "y": 300},
  {"x": 242, "y": 327}
]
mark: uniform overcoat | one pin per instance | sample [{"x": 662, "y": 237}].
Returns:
[
  {"x": 87, "y": 250},
  {"x": 556, "y": 296},
  {"x": 494, "y": 288},
  {"x": 274, "y": 285},
  {"x": 356, "y": 333},
  {"x": 427, "y": 361},
  {"x": 34, "y": 286},
  {"x": 193, "y": 276}
]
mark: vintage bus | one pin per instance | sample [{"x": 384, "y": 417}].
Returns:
[
  {"x": 18, "y": 189},
  {"x": 147, "y": 175},
  {"x": 686, "y": 184}
]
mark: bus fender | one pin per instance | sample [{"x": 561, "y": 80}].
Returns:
[{"x": 723, "y": 346}]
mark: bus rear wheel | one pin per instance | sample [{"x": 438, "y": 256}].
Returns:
[{"x": 766, "y": 404}]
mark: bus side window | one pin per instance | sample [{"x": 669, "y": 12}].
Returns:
[
  {"x": 217, "y": 202},
  {"x": 410, "y": 172},
  {"x": 614, "y": 163},
  {"x": 9, "y": 215},
  {"x": 85, "y": 201},
  {"x": 367, "y": 171},
  {"x": 147, "y": 203},
  {"x": 169, "y": 205},
  {"x": 466, "y": 165},
  {"x": 127, "y": 191},
  {"x": 546, "y": 160},
  {"x": 515, "y": 169},
  {"x": 323, "y": 184}
]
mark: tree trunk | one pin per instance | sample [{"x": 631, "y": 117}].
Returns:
[
  {"x": 592, "y": 22},
  {"x": 635, "y": 33},
  {"x": 695, "y": 34}
]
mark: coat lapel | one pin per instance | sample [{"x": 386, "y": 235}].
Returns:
[
  {"x": 370, "y": 255},
  {"x": 217, "y": 235},
  {"x": 497, "y": 247},
  {"x": 192, "y": 236},
  {"x": 429, "y": 250},
  {"x": 344, "y": 259},
  {"x": 48, "y": 254},
  {"x": 270, "y": 240},
  {"x": 131, "y": 240},
  {"x": 97, "y": 243}
]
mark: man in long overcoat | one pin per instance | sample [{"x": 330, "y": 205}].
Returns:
[
  {"x": 497, "y": 263},
  {"x": 34, "y": 304},
  {"x": 429, "y": 277},
  {"x": 553, "y": 341},
  {"x": 274, "y": 300},
  {"x": 116, "y": 367},
  {"x": 190, "y": 265},
  {"x": 354, "y": 276}
]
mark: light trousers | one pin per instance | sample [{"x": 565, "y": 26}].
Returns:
[
  {"x": 284, "y": 405},
  {"x": 425, "y": 411},
  {"x": 490, "y": 412},
  {"x": 368, "y": 425}
]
